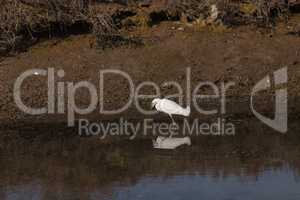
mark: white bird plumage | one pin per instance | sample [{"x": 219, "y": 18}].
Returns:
[
  {"x": 170, "y": 143},
  {"x": 170, "y": 107}
]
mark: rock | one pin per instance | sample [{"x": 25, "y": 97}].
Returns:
[{"x": 214, "y": 14}]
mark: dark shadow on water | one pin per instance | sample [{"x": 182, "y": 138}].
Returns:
[{"x": 257, "y": 163}]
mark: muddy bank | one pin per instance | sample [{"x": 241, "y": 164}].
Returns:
[{"x": 239, "y": 55}]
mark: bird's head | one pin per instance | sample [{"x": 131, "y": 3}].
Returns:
[{"x": 154, "y": 102}]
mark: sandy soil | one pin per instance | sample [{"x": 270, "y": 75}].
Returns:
[{"x": 241, "y": 55}]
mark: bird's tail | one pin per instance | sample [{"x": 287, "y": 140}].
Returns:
[{"x": 187, "y": 111}]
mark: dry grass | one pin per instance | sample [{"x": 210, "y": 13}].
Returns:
[
  {"x": 13, "y": 17},
  {"x": 192, "y": 9},
  {"x": 105, "y": 30},
  {"x": 20, "y": 20},
  {"x": 262, "y": 11}
]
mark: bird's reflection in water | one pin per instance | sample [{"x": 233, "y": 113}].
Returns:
[{"x": 260, "y": 165}]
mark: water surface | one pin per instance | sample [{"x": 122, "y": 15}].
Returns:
[{"x": 257, "y": 163}]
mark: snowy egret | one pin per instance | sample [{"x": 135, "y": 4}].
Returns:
[
  {"x": 170, "y": 143},
  {"x": 170, "y": 107}
]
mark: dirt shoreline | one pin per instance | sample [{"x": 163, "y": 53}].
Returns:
[{"x": 241, "y": 55}]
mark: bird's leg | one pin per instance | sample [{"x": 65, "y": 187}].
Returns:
[{"x": 173, "y": 121}]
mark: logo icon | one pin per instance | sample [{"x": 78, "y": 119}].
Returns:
[{"x": 280, "y": 122}]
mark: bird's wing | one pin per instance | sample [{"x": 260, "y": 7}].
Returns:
[{"x": 170, "y": 107}]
